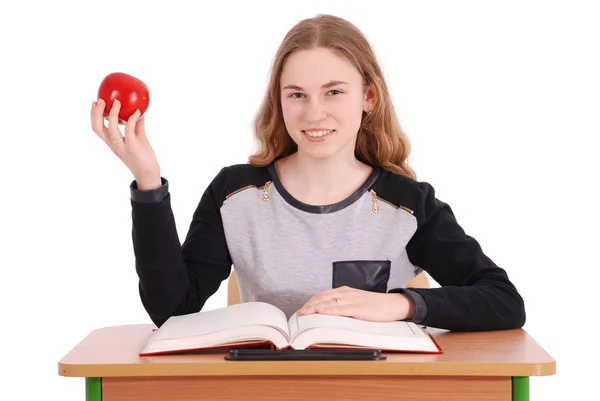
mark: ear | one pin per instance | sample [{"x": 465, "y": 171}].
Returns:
[{"x": 369, "y": 98}]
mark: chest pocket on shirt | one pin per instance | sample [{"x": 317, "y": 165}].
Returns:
[{"x": 368, "y": 275}]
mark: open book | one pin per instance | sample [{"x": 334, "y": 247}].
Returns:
[{"x": 254, "y": 323}]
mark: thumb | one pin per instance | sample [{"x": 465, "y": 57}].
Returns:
[
  {"x": 140, "y": 127},
  {"x": 130, "y": 126}
]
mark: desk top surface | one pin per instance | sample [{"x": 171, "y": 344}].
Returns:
[{"x": 113, "y": 351}]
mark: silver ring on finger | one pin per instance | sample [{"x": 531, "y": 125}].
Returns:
[{"x": 117, "y": 140}]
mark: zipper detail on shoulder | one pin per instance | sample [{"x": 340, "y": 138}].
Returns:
[
  {"x": 266, "y": 196},
  {"x": 239, "y": 190},
  {"x": 375, "y": 206}
]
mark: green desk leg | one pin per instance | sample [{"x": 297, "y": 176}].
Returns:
[
  {"x": 93, "y": 389},
  {"x": 520, "y": 388}
]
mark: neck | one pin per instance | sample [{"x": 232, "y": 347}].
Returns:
[{"x": 319, "y": 180}]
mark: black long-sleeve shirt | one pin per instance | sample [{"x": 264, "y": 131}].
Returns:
[{"x": 285, "y": 251}]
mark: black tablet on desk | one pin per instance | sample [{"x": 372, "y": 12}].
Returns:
[{"x": 304, "y": 355}]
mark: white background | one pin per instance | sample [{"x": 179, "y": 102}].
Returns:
[{"x": 500, "y": 100}]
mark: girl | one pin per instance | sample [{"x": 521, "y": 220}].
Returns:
[{"x": 326, "y": 217}]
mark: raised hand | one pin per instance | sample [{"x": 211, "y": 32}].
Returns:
[{"x": 133, "y": 148}]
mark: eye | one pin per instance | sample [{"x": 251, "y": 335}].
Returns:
[
  {"x": 293, "y": 95},
  {"x": 335, "y": 90}
]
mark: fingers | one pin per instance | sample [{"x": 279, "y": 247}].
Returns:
[
  {"x": 321, "y": 300},
  {"x": 114, "y": 133},
  {"x": 313, "y": 307},
  {"x": 348, "y": 310},
  {"x": 97, "y": 119},
  {"x": 336, "y": 301},
  {"x": 329, "y": 307},
  {"x": 327, "y": 295}
]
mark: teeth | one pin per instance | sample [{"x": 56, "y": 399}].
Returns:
[{"x": 318, "y": 133}]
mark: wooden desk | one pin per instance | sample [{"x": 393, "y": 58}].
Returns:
[{"x": 475, "y": 366}]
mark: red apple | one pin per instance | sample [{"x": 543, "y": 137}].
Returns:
[{"x": 132, "y": 93}]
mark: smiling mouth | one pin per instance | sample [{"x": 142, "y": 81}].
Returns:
[{"x": 318, "y": 134}]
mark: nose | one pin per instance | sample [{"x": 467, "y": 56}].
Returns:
[{"x": 315, "y": 111}]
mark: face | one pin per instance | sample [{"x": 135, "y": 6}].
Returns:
[{"x": 323, "y": 98}]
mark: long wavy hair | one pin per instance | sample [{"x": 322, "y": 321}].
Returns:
[{"x": 380, "y": 141}]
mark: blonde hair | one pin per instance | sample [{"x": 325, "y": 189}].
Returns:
[{"x": 380, "y": 142}]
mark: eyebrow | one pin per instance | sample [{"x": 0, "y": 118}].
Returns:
[{"x": 325, "y": 86}]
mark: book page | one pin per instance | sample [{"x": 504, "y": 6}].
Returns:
[
  {"x": 231, "y": 317},
  {"x": 340, "y": 331},
  {"x": 397, "y": 329}
]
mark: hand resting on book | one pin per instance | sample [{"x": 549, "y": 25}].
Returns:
[{"x": 360, "y": 304}]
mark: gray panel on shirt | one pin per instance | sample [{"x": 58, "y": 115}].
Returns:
[{"x": 284, "y": 255}]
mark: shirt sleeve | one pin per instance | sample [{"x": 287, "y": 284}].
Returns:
[
  {"x": 475, "y": 294},
  {"x": 419, "y": 303},
  {"x": 151, "y": 195},
  {"x": 177, "y": 279}
]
